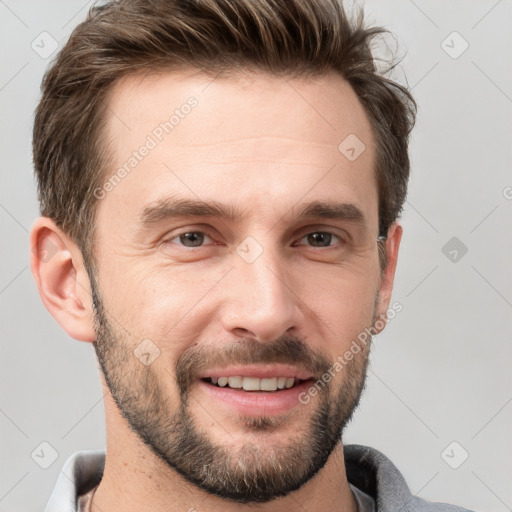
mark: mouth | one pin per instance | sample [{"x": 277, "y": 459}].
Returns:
[{"x": 255, "y": 390}]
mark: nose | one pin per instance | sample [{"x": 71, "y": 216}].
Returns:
[{"x": 260, "y": 301}]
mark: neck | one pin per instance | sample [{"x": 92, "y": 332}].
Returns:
[
  {"x": 134, "y": 484},
  {"x": 135, "y": 479}
]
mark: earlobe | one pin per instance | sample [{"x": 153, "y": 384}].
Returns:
[
  {"x": 388, "y": 275},
  {"x": 62, "y": 280}
]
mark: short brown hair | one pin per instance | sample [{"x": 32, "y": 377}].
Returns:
[{"x": 296, "y": 38}]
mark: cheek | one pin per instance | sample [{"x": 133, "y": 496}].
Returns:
[
  {"x": 167, "y": 305},
  {"x": 344, "y": 307}
]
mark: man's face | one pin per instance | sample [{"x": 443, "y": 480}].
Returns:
[{"x": 266, "y": 279}]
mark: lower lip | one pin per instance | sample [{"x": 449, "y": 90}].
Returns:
[{"x": 257, "y": 403}]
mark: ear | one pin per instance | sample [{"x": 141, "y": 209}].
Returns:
[
  {"x": 59, "y": 271},
  {"x": 388, "y": 276}
]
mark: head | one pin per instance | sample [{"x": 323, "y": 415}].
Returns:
[{"x": 219, "y": 186}]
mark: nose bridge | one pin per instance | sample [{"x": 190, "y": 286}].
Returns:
[{"x": 261, "y": 303}]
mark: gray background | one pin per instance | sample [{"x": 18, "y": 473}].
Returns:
[{"x": 441, "y": 371}]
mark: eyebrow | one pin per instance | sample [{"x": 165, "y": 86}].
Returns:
[{"x": 170, "y": 208}]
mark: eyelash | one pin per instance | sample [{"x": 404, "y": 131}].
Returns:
[{"x": 342, "y": 241}]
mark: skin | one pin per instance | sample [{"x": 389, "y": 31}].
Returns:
[{"x": 265, "y": 146}]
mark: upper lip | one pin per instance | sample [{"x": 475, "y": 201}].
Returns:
[{"x": 259, "y": 371}]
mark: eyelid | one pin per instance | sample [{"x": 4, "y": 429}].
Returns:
[{"x": 336, "y": 231}]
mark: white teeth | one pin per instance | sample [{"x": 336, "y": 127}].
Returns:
[
  {"x": 235, "y": 382},
  {"x": 254, "y": 383},
  {"x": 268, "y": 384},
  {"x": 251, "y": 384}
]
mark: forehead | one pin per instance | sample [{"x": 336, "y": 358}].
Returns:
[{"x": 246, "y": 138}]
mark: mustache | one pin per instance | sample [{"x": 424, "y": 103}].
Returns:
[{"x": 285, "y": 350}]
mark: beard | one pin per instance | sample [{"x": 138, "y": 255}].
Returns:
[{"x": 258, "y": 470}]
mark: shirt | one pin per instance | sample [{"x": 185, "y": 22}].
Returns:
[{"x": 372, "y": 477}]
